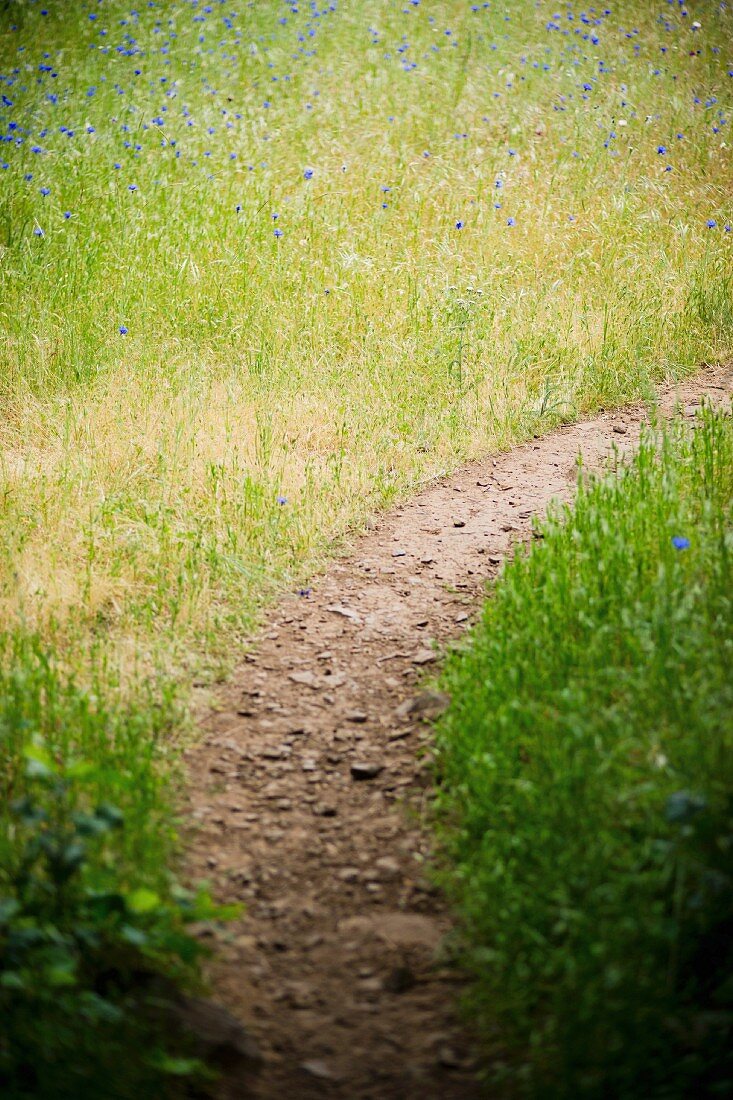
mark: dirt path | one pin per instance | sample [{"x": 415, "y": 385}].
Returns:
[{"x": 304, "y": 779}]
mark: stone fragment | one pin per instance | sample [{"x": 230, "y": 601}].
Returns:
[
  {"x": 426, "y": 705},
  {"x": 362, "y": 770},
  {"x": 448, "y": 1058},
  {"x": 325, "y": 809},
  {"x": 402, "y": 929},
  {"x": 344, "y": 612},
  {"x": 319, "y": 1069},
  {"x": 308, "y": 679},
  {"x": 388, "y": 867}
]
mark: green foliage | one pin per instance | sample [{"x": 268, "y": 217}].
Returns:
[
  {"x": 586, "y": 808},
  {"x": 93, "y": 932}
]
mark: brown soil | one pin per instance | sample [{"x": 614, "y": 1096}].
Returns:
[{"x": 335, "y": 964}]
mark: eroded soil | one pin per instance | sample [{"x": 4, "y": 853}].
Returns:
[{"x": 309, "y": 791}]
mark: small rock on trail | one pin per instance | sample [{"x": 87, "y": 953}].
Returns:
[
  {"x": 362, "y": 770},
  {"x": 425, "y": 706}
]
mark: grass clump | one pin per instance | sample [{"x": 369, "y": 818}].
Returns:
[
  {"x": 94, "y": 941},
  {"x": 586, "y": 808}
]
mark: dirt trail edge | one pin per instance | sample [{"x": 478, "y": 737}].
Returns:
[{"x": 307, "y": 790}]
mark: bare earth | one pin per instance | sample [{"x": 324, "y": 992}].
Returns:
[{"x": 335, "y": 965}]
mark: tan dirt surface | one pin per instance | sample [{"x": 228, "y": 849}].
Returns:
[{"x": 335, "y": 965}]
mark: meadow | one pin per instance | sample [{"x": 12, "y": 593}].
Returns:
[
  {"x": 265, "y": 268},
  {"x": 319, "y": 255}
]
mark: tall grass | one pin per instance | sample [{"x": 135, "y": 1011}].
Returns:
[
  {"x": 587, "y": 787},
  {"x": 373, "y": 342}
]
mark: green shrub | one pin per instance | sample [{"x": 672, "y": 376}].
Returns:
[
  {"x": 586, "y": 808},
  {"x": 94, "y": 944}
]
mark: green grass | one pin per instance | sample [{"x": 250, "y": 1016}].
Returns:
[
  {"x": 115, "y": 743},
  {"x": 587, "y": 787}
]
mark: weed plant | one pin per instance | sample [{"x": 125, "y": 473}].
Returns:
[{"x": 586, "y": 806}]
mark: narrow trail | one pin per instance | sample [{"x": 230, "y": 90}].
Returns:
[{"x": 307, "y": 788}]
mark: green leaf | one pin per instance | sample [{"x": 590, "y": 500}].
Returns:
[
  {"x": 111, "y": 814},
  {"x": 10, "y": 979},
  {"x": 39, "y": 761},
  {"x": 178, "y": 1067},
  {"x": 8, "y": 908},
  {"x": 142, "y": 900},
  {"x": 61, "y": 974},
  {"x": 79, "y": 769},
  {"x": 134, "y": 936}
]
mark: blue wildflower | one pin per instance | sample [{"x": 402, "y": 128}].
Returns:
[
  {"x": 459, "y": 225},
  {"x": 308, "y": 174},
  {"x": 38, "y": 232},
  {"x": 278, "y": 232},
  {"x": 123, "y": 330},
  {"x": 680, "y": 542},
  {"x": 711, "y": 223},
  {"x": 282, "y": 500}
]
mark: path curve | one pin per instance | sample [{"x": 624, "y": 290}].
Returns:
[{"x": 307, "y": 786}]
